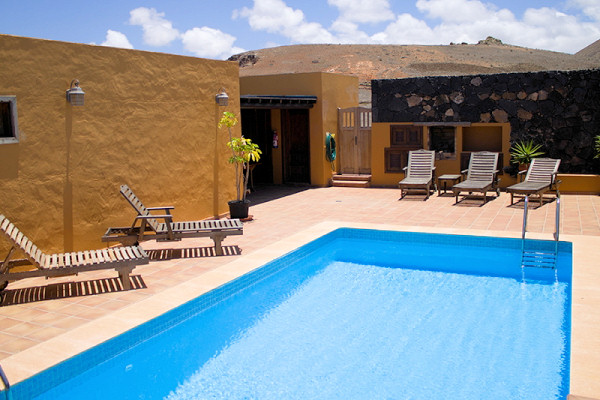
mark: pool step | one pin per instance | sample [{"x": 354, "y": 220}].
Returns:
[{"x": 538, "y": 259}]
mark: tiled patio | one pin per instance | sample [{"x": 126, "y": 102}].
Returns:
[{"x": 37, "y": 313}]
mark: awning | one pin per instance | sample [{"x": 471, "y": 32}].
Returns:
[{"x": 274, "y": 101}]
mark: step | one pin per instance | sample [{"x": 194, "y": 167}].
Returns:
[
  {"x": 356, "y": 184},
  {"x": 352, "y": 177},
  {"x": 352, "y": 180},
  {"x": 538, "y": 259}
]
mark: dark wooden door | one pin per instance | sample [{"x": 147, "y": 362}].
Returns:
[{"x": 296, "y": 146}]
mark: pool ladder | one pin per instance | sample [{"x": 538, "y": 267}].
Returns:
[{"x": 536, "y": 258}]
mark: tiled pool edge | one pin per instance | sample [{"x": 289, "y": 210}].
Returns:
[{"x": 185, "y": 292}]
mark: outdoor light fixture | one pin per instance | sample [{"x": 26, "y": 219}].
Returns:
[
  {"x": 75, "y": 93},
  {"x": 221, "y": 98}
]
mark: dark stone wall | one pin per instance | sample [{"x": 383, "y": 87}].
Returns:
[{"x": 558, "y": 109}]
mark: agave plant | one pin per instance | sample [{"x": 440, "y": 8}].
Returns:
[{"x": 522, "y": 152}]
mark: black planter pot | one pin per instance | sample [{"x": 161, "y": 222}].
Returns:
[{"x": 239, "y": 208}]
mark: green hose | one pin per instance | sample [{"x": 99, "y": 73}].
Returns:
[{"x": 330, "y": 147}]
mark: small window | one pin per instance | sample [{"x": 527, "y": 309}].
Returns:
[
  {"x": 9, "y": 127},
  {"x": 442, "y": 139},
  {"x": 406, "y": 136}
]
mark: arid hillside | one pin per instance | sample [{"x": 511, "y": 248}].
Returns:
[{"x": 402, "y": 61}]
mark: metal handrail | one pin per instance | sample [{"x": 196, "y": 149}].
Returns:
[
  {"x": 525, "y": 212},
  {"x": 557, "y": 224}
]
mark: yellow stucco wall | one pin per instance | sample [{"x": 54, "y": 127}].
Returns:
[
  {"x": 380, "y": 139},
  {"x": 476, "y": 137},
  {"x": 579, "y": 183},
  {"x": 149, "y": 121},
  {"x": 333, "y": 91}
]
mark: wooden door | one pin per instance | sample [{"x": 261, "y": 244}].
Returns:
[
  {"x": 354, "y": 140},
  {"x": 296, "y": 146}
]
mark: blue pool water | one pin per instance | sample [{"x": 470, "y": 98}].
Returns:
[{"x": 356, "y": 314}]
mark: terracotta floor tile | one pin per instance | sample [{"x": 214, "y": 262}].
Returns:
[
  {"x": 23, "y": 329},
  {"x": 69, "y": 323},
  {"x": 18, "y": 344},
  {"x": 45, "y": 333}
]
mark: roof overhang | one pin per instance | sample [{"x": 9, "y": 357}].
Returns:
[{"x": 274, "y": 101}]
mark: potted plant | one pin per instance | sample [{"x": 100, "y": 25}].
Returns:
[
  {"x": 243, "y": 151},
  {"x": 522, "y": 152},
  {"x": 597, "y": 146}
]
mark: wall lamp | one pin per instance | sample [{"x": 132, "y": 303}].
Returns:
[
  {"x": 221, "y": 98},
  {"x": 75, "y": 93}
]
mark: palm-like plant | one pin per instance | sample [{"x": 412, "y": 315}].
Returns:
[{"x": 522, "y": 152}]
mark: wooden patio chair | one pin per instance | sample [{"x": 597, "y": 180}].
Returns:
[
  {"x": 540, "y": 178},
  {"x": 482, "y": 175},
  {"x": 150, "y": 228},
  {"x": 122, "y": 259},
  {"x": 420, "y": 172}
]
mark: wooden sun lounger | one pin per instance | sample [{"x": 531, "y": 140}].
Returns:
[
  {"x": 122, "y": 259},
  {"x": 420, "y": 172},
  {"x": 540, "y": 178},
  {"x": 482, "y": 175},
  {"x": 150, "y": 228}
]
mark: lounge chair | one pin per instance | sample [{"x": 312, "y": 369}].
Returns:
[
  {"x": 540, "y": 178},
  {"x": 151, "y": 229},
  {"x": 420, "y": 172},
  {"x": 122, "y": 259},
  {"x": 481, "y": 175}
]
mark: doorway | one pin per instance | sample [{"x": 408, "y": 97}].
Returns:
[{"x": 256, "y": 125}]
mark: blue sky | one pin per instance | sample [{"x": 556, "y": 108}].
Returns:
[{"x": 220, "y": 28}]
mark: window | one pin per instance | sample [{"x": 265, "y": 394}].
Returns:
[
  {"x": 403, "y": 138},
  {"x": 442, "y": 139},
  {"x": 8, "y": 120}
]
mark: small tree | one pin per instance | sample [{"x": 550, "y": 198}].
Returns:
[{"x": 243, "y": 151}]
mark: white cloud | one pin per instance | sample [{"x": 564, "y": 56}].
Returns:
[
  {"x": 157, "y": 30},
  {"x": 558, "y": 31},
  {"x": 348, "y": 32},
  {"x": 590, "y": 8},
  {"x": 472, "y": 20},
  {"x": 274, "y": 16},
  {"x": 458, "y": 11},
  {"x": 210, "y": 43},
  {"x": 406, "y": 29},
  {"x": 116, "y": 39},
  {"x": 361, "y": 11}
]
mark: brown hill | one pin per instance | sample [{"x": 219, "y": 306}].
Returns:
[
  {"x": 591, "y": 52},
  {"x": 402, "y": 61}
]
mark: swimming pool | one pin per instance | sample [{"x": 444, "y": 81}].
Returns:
[{"x": 354, "y": 314}]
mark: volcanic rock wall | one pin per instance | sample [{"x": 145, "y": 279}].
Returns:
[{"x": 558, "y": 109}]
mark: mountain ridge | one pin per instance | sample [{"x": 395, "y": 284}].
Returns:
[{"x": 369, "y": 62}]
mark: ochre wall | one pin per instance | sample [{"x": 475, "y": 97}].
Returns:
[
  {"x": 333, "y": 91},
  {"x": 380, "y": 139},
  {"x": 149, "y": 121}
]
